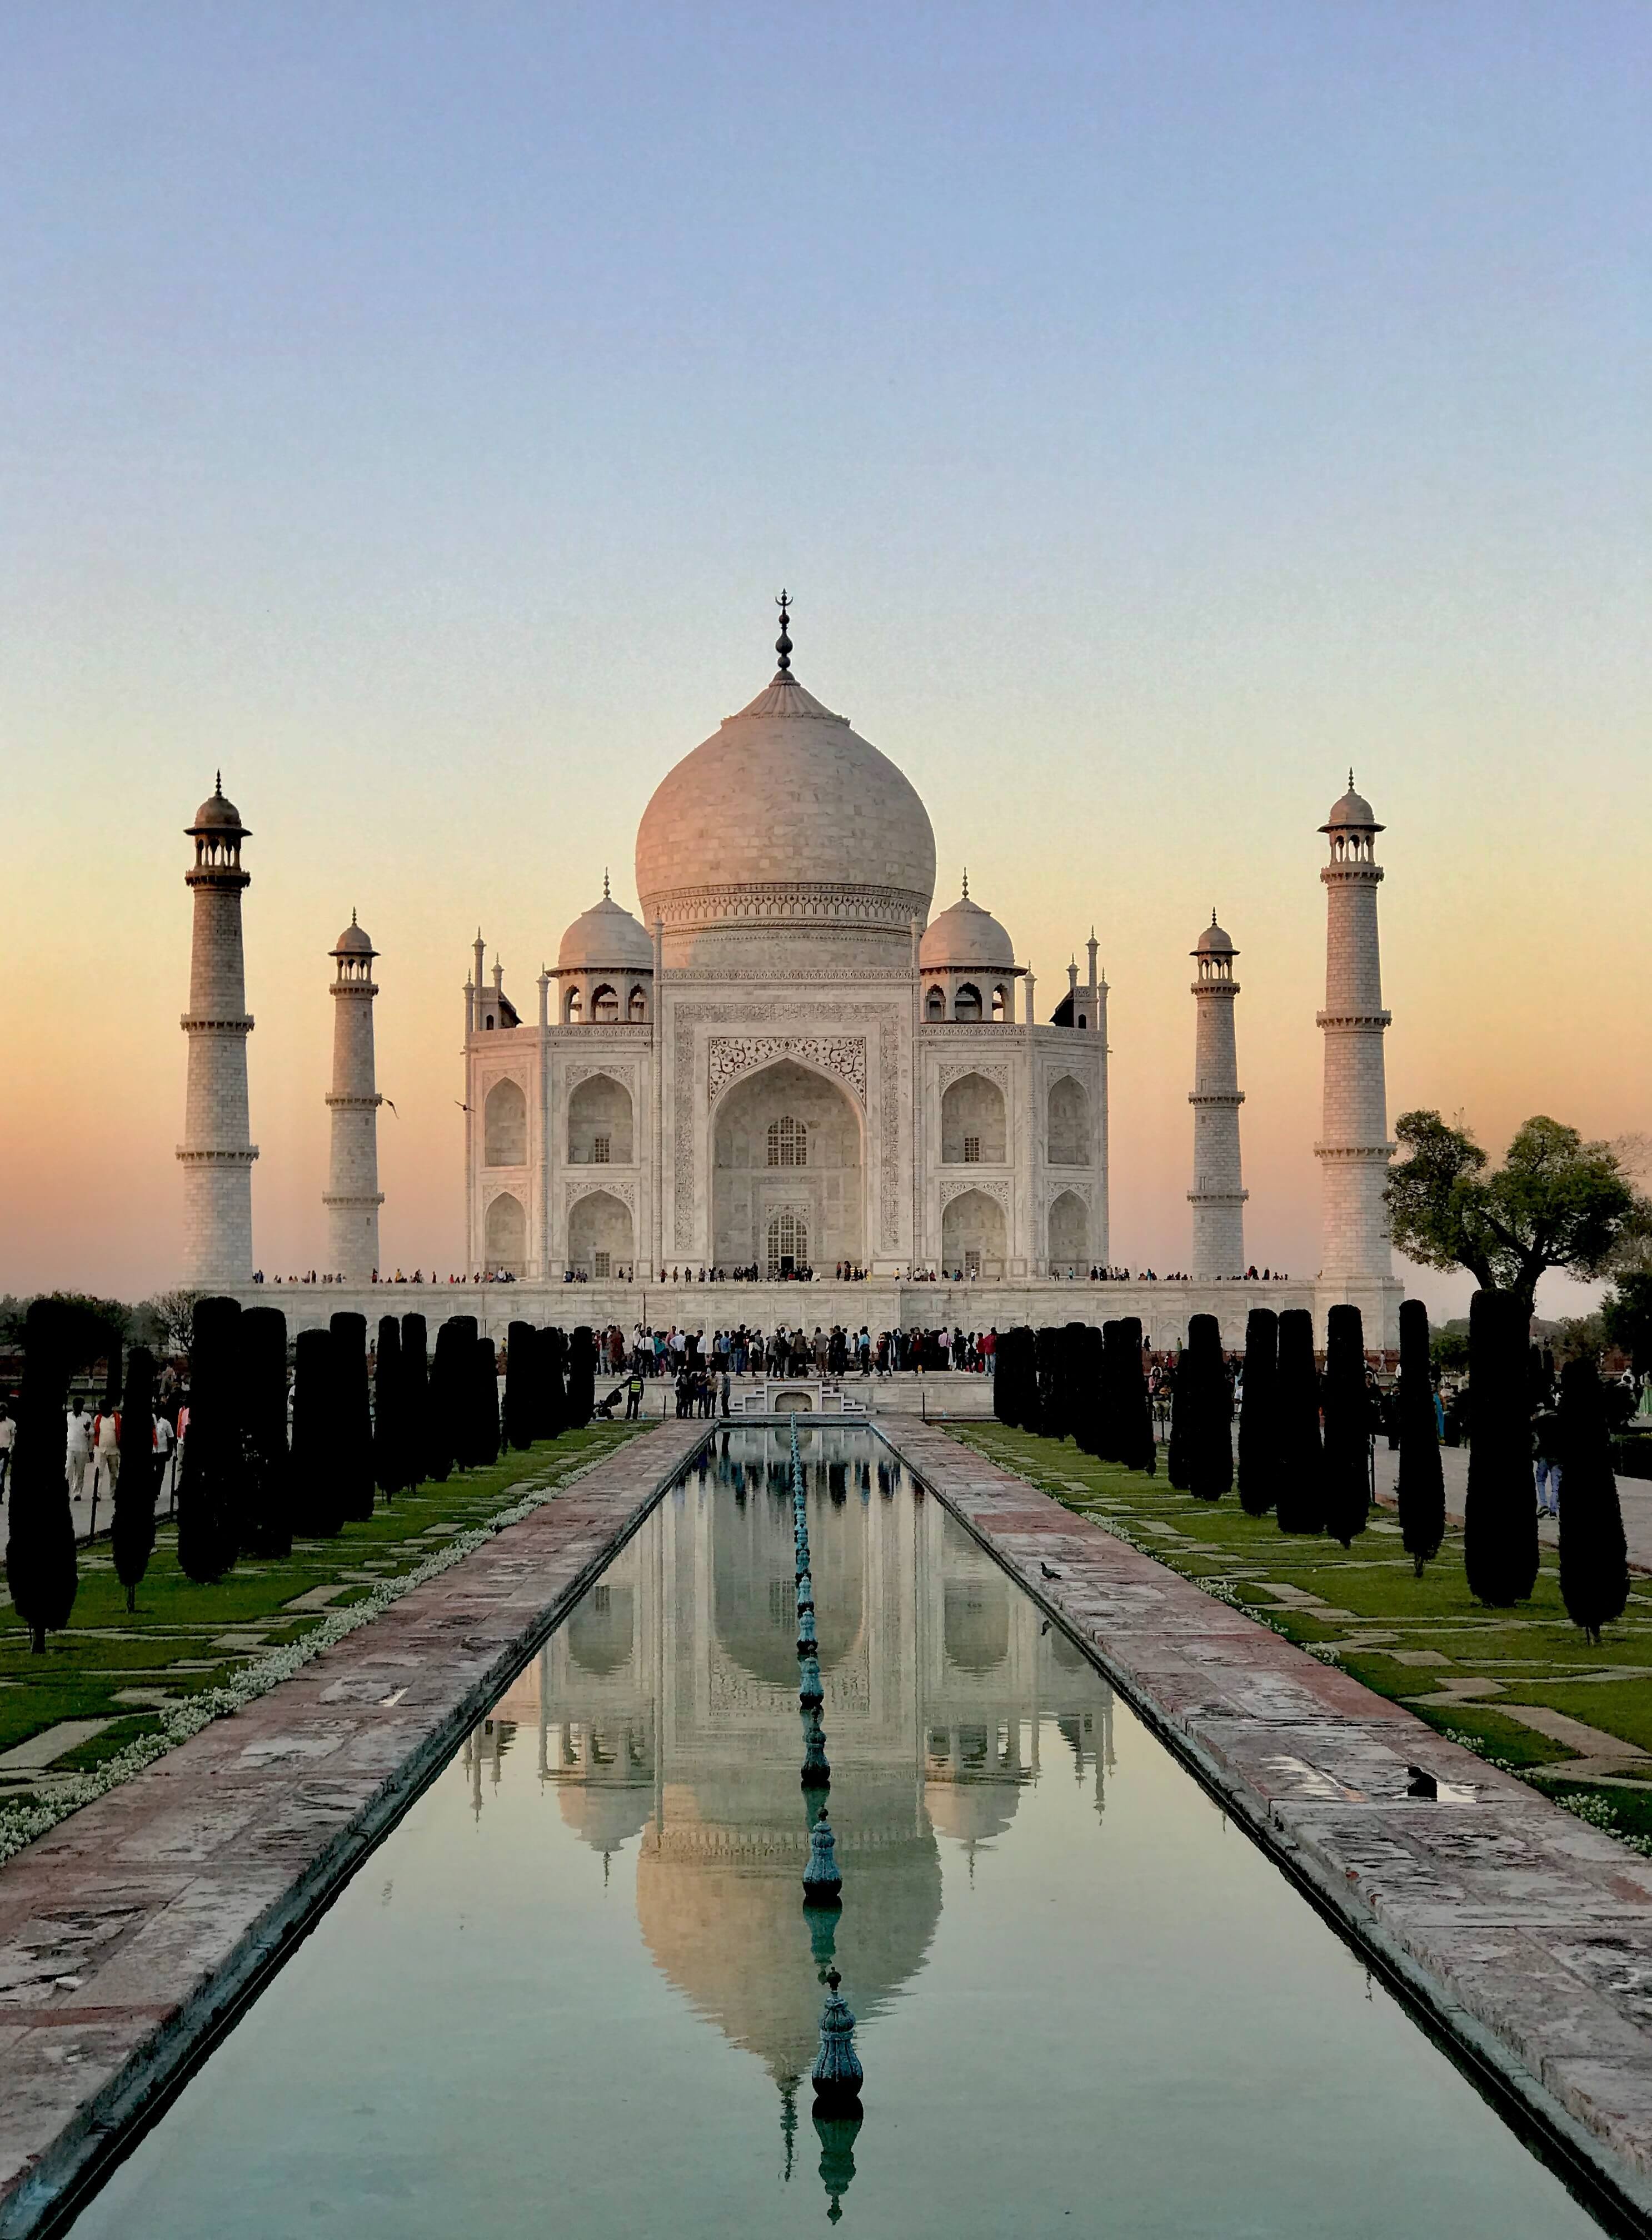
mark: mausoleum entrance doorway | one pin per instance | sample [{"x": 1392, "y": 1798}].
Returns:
[{"x": 788, "y": 1182}]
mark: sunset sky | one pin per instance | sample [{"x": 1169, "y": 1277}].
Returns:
[{"x": 1154, "y": 410}]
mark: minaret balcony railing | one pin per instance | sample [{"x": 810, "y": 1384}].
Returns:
[
  {"x": 1215, "y": 1097},
  {"x": 353, "y": 1103},
  {"x": 1361, "y": 1019},
  {"x": 201, "y": 1022},
  {"x": 367, "y": 1197},
  {"x": 195, "y": 1155},
  {"x": 1352, "y": 1154}
]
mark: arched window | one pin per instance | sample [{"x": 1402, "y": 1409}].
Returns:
[
  {"x": 788, "y": 1243},
  {"x": 604, "y": 1004},
  {"x": 637, "y": 1008},
  {"x": 1001, "y": 1004},
  {"x": 788, "y": 1143},
  {"x": 574, "y": 1009},
  {"x": 968, "y": 1005},
  {"x": 935, "y": 1005}
]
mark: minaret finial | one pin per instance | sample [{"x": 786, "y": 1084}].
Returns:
[
  {"x": 217, "y": 786},
  {"x": 605, "y": 893},
  {"x": 966, "y": 882},
  {"x": 1213, "y": 913},
  {"x": 352, "y": 918},
  {"x": 783, "y": 643},
  {"x": 1350, "y": 778}
]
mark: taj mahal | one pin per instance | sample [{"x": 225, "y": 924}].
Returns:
[{"x": 793, "y": 1064}]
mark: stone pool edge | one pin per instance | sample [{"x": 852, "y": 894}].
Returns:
[
  {"x": 1522, "y": 1934},
  {"x": 144, "y": 1921}
]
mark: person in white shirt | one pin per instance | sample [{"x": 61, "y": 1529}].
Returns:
[
  {"x": 8, "y": 1435},
  {"x": 106, "y": 1452},
  {"x": 77, "y": 1453},
  {"x": 165, "y": 1447}
]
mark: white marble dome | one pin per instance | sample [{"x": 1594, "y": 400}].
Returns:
[
  {"x": 785, "y": 825},
  {"x": 1352, "y": 813},
  {"x": 605, "y": 939},
  {"x": 353, "y": 942},
  {"x": 966, "y": 939},
  {"x": 1213, "y": 942}
]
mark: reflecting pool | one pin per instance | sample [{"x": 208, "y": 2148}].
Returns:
[{"x": 576, "y": 1990}]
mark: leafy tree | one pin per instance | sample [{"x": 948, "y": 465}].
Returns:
[
  {"x": 266, "y": 1522},
  {"x": 1015, "y": 1399},
  {"x": 1259, "y": 1414},
  {"x": 132, "y": 1541},
  {"x": 212, "y": 1484},
  {"x": 1626, "y": 1319},
  {"x": 1594, "y": 1566},
  {"x": 171, "y": 1317},
  {"x": 41, "y": 1569},
  {"x": 317, "y": 1501},
  {"x": 1421, "y": 1481},
  {"x": 1347, "y": 1426},
  {"x": 1500, "y": 1510},
  {"x": 1557, "y": 1202},
  {"x": 1301, "y": 1504}
]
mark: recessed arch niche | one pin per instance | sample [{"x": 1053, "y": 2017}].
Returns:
[
  {"x": 505, "y": 1232},
  {"x": 972, "y": 1114},
  {"x": 600, "y": 1234},
  {"x": 600, "y": 1125},
  {"x": 972, "y": 1234},
  {"x": 1068, "y": 1140},
  {"x": 504, "y": 1126},
  {"x": 828, "y": 1193}
]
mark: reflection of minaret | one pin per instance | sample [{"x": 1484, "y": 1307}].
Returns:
[
  {"x": 216, "y": 1153},
  {"x": 353, "y": 1197},
  {"x": 1217, "y": 1198}
]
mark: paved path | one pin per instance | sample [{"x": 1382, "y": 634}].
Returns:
[
  {"x": 1526, "y": 1933},
  {"x": 130, "y": 1927},
  {"x": 1635, "y": 1498}
]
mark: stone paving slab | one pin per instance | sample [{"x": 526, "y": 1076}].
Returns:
[
  {"x": 1525, "y": 1934},
  {"x": 132, "y": 1931}
]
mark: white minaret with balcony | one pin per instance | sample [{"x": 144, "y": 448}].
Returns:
[
  {"x": 1354, "y": 1149},
  {"x": 1218, "y": 1195},
  {"x": 216, "y": 1154},
  {"x": 352, "y": 1197}
]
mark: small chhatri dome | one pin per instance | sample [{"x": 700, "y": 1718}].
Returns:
[
  {"x": 966, "y": 936},
  {"x": 353, "y": 942},
  {"x": 1213, "y": 942},
  {"x": 1353, "y": 813},
  {"x": 217, "y": 815},
  {"x": 606, "y": 938}
]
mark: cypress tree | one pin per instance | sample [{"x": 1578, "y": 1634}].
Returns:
[
  {"x": 1110, "y": 1398},
  {"x": 1066, "y": 1353},
  {"x": 390, "y": 1410},
  {"x": 1421, "y": 1482},
  {"x": 415, "y": 1402},
  {"x": 266, "y": 1520},
  {"x": 1011, "y": 1370},
  {"x": 316, "y": 1502},
  {"x": 1090, "y": 1401},
  {"x": 1593, "y": 1567},
  {"x": 550, "y": 1351},
  {"x": 521, "y": 1366},
  {"x": 1500, "y": 1512},
  {"x": 352, "y": 1416},
  {"x": 1347, "y": 1426},
  {"x": 41, "y": 1569},
  {"x": 1138, "y": 1446},
  {"x": 213, "y": 1485},
  {"x": 582, "y": 1378},
  {"x": 1181, "y": 1411},
  {"x": 132, "y": 1541},
  {"x": 450, "y": 1374},
  {"x": 1259, "y": 1414},
  {"x": 1301, "y": 1504},
  {"x": 484, "y": 1403},
  {"x": 1207, "y": 1434}
]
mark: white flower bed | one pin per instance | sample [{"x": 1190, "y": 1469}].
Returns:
[{"x": 21, "y": 1824}]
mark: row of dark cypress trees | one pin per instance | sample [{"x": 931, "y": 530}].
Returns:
[
  {"x": 245, "y": 1488},
  {"x": 1080, "y": 1382}
]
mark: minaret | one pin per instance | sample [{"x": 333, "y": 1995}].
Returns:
[
  {"x": 1217, "y": 1197},
  {"x": 353, "y": 1197},
  {"x": 216, "y": 1154},
  {"x": 1354, "y": 1151}
]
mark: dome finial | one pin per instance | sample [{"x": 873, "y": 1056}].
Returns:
[
  {"x": 352, "y": 918},
  {"x": 1213, "y": 913},
  {"x": 217, "y": 786},
  {"x": 1350, "y": 778},
  {"x": 605, "y": 893},
  {"x": 966, "y": 882},
  {"x": 783, "y": 643}
]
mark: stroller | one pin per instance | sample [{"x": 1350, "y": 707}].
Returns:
[{"x": 603, "y": 1409}]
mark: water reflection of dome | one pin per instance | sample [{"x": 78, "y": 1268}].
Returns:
[
  {"x": 971, "y": 1811},
  {"x": 976, "y": 1623},
  {"x": 599, "y": 1630},
  {"x": 605, "y": 1818},
  {"x": 719, "y": 1904}
]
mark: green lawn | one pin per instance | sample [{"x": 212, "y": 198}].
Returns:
[
  {"x": 1423, "y": 1642},
  {"x": 184, "y": 1637}
]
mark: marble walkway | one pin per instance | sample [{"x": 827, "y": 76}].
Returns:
[
  {"x": 1526, "y": 1934},
  {"x": 134, "y": 1928}
]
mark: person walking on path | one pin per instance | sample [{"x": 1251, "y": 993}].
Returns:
[
  {"x": 165, "y": 1450},
  {"x": 8, "y": 1435},
  {"x": 78, "y": 1448},
  {"x": 724, "y": 1391},
  {"x": 106, "y": 1452},
  {"x": 1545, "y": 1444}
]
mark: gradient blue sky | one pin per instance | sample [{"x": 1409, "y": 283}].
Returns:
[{"x": 1154, "y": 410}]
